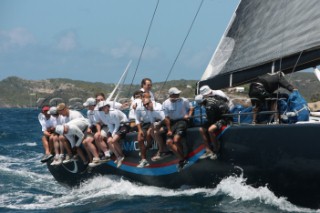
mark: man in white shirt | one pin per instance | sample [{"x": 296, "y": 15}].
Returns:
[
  {"x": 146, "y": 85},
  {"x": 47, "y": 127},
  {"x": 88, "y": 142},
  {"x": 101, "y": 134},
  {"x": 66, "y": 115},
  {"x": 74, "y": 132},
  {"x": 117, "y": 123},
  {"x": 145, "y": 118},
  {"x": 58, "y": 145},
  {"x": 137, "y": 101},
  {"x": 176, "y": 110}
]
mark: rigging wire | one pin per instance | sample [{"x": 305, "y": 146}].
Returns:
[
  {"x": 282, "y": 34},
  {"x": 298, "y": 59},
  {"x": 280, "y": 51},
  {"x": 144, "y": 44},
  {"x": 174, "y": 62}
]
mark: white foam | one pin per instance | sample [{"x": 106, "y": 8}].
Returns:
[
  {"x": 27, "y": 144},
  {"x": 56, "y": 196},
  {"x": 116, "y": 186},
  {"x": 237, "y": 188}
]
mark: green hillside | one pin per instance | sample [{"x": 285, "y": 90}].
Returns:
[{"x": 17, "y": 92}]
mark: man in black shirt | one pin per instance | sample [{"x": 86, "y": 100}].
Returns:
[{"x": 264, "y": 88}]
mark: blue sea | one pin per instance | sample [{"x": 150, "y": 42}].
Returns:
[{"x": 26, "y": 185}]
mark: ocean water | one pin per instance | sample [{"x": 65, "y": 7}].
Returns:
[{"x": 26, "y": 185}]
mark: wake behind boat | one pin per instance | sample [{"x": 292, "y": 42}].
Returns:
[{"x": 262, "y": 37}]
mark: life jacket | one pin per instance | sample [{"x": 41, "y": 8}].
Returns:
[
  {"x": 241, "y": 118},
  {"x": 199, "y": 115},
  {"x": 295, "y": 109}
]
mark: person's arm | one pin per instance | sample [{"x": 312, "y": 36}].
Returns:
[
  {"x": 111, "y": 127},
  {"x": 186, "y": 104},
  {"x": 191, "y": 110},
  {"x": 116, "y": 124},
  {"x": 137, "y": 116},
  {"x": 285, "y": 84},
  {"x": 42, "y": 121},
  {"x": 76, "y": 131},
  {"x": 47, "y": 133},
  {"x": 167, "y": 123}
]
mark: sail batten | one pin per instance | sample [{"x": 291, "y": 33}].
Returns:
[{"x": 283, "y": 32}]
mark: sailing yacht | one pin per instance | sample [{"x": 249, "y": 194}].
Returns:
[{"x": 262, "y": 37}]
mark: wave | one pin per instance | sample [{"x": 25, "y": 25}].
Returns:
[
  {"x": 52, "y": 195},
  {"x": 237, "y": 188},
  {"x": 27, "y": 144}
]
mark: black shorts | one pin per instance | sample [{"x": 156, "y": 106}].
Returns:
[
  {"x": 179, "y": 127},
  {"x": 123, "y": 130},
  {"x": 93, "y": 128},
  {"x": 145, "y": 127},
  {"x": 220, "y": 123}
]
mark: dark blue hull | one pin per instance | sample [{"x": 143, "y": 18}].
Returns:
[{"x": 284, "y": 157}]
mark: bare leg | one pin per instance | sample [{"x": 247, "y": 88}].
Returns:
[
  {"x": 66, "y": 145},
  {"x": 81, "y": 154},
  {"x": 61, "y": 146},
  {"x": 111, "y": 146},
  {"x": 174, "y": 146},
  {"x": 142, "y": 146},
  {"x": 56, "y": 144},
  {"x": 203, "y": 133},
  {"x": 255, "y": 110},
  {"x": 86, "y": 142},
  {"x": 92, "y": 148},
  {"x": 116, "y": 145},
  {"x": 212, "y": 136},
  {"x": 45, "y": 144},
  {"x": 274, "y": 107},
  {"x": 158, "y": 137},
  {"x": 177, "y": 142},
  {"x": 97, "y": 140},
  {"x": 102, "y": 144}
]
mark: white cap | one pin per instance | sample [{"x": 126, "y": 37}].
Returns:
[
  {"x": 199, "y": 98},
  {"x": 53, "y": 111},
  {"x": 90, "y": 102},
  {"x": 59, "y": 129},
  {"x": 205, "y": 90},
  {"x": 174, "y": 91},
  {"x": 103, "y": 103}
]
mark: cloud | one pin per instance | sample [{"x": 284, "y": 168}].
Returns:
[
  {"x": 15, "y": 38},
  {"x": 130, "y": 50},
  {"x": 67, "y": 41}
]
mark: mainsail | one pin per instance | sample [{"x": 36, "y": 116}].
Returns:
[{"x": 265, "y": 36}]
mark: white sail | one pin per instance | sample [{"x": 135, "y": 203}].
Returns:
[{"x": 264, "y": 34}]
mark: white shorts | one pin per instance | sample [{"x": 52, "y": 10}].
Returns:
[{"x": 104, "y": 131}]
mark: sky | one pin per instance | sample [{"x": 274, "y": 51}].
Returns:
[{"x": 94, "y": 40}]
